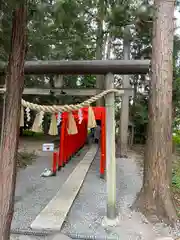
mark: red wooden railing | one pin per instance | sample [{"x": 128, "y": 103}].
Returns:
[{"x": 70, "y": 144}]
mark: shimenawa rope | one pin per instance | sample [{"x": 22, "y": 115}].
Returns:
[{"x": 67, "y": 108}]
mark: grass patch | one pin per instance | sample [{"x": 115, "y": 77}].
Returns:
[
  {"x": 37, "y": 136},
  {"x": 25, "y": 158},
  {"x": 176, "y": 183},
  {"x": 29, "y": 133}
]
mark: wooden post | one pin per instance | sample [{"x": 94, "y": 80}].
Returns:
[
  {"x": 110, "y": 149},
  {"x": 58, "y": 81},
  {"x": 54, "y": 164},
  {"x": 103, "y": 145},
  {"x": 124, "y": 114}
]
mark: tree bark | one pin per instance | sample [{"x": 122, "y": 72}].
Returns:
[
  {"x": 1, "y": 112},
  {"x": 124, "y": 112},
  {"x": 155, "y": 195},
  {"x": 1, "y": 102},
  {"x": 10, "y": 132},
  {"x": 99, "y": 48}
]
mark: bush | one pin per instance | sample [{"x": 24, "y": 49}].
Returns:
[
  {"x": 176, "y": 179},
  {"x": 25, "y": 158},
  {"x": 176, "y": 142},
  {"x": 31, "y": 133},
  {"x": 176, "y": 138}
]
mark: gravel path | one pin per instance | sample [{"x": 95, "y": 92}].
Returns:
[
  {"x": 86, "y": 215},
  {"x": 85, "y": 218},
  {"x": 33, "y": 192}
]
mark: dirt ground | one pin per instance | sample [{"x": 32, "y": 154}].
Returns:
[
  {"x": 87, "y": 212},
  {"x": 139, "y": 149},
  {"x": 32, "y": 144}
]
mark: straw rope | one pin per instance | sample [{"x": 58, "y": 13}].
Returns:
[{"x": 67, "y": 108}]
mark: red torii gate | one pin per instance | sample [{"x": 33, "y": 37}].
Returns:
[{"x": 70, "y": 144}]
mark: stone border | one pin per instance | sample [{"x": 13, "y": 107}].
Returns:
[{"x": 54, "y": 214}]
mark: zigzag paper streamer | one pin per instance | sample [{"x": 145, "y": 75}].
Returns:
[
  {"x": 58, "y": 119},
  {"x": 28, "y": 114},
  {"x": 80, "y": 115},
  {"x": 41, "y": 118}
]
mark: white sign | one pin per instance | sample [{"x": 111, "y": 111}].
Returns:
[{"x": 48, "y": 147}]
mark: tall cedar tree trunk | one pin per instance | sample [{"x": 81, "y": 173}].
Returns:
[
  {"x": 155, "y": 196},
  {"x": 1, "y": 102},
  {"x": 1, "y": 112},
  {"x": 14, "y": 84},
  {"x": 99, "y": 47},
  {"x": 1, "y": 95}
]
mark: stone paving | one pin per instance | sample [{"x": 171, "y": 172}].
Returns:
[
  {"x": 53, "y": 237},
  {"x": 52, "y": 217},
  {"x": 33, "y": 192}
]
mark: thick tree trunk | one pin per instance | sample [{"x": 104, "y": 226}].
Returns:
[
  {"x": 1, "y": 103},
  {"x": 124, "y": 112},
  {"x": 155, "y": 195},
  {"x": 9, "y": 139},
  {"x": 99, "y": 48},
  {"x": 173, "y": 118},
  {"x": 1, "y": 112}
]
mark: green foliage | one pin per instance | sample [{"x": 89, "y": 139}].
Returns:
[
  {"x": 67, "y": 29},
  {"x": 176, "y": 180},
  {"x": 139, "y": 117},
  {"x": 121, "y": 15},
  {"x": 176, "y": 138},
  {"x": 25, "y": 158},
  {"x": 140, "y": 109},
  {"x": 29, "y": 133},
  {"x": 176, "y": 170},
  {"x": 176, "y": 141},
  {"x": 176, "y": 85}
]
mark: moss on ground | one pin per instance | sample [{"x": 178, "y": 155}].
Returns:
[{"x": 25, "y": 158}]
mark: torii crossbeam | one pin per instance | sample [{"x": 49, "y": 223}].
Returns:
[{"x": 83, "y": 67}]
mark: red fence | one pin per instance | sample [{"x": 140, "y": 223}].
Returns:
[{"x": 70, "y": 144}]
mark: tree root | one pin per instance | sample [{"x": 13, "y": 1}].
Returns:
[{"x": 156, "y": 209}]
